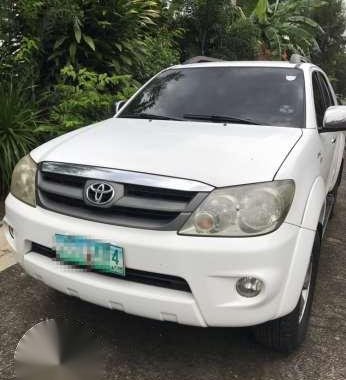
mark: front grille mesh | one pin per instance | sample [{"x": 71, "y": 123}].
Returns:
[{"x": 141, "y": 206}]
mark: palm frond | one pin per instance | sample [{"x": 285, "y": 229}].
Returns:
[{"x": 19, "y": 119}]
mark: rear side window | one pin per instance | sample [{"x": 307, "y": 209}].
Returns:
[
  {"x": 320, "y": 106},
  {"x": 328, "y": 96}
]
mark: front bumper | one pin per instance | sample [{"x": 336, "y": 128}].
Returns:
[{"x": 211, "y": 266}]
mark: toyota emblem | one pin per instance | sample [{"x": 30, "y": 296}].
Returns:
[{"x": 100, "y": 193}]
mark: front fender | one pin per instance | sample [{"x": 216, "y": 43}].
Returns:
[
  {"x": 312, "y": 216},
  {"x": 315, "y": 205}
]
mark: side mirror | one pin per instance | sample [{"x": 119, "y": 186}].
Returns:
[
  {"x": 335, "y": 119},
  {"x": 119, "y": 105}
]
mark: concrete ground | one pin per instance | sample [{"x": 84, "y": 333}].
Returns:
[{"x": 138, "y": 348}]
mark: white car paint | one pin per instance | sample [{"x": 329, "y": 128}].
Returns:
[
  {"x": 211, "y": 266},
  {"x": 183, "y": 150}
]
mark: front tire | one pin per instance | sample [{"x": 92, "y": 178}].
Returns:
[{"x": 287, "y": 333}]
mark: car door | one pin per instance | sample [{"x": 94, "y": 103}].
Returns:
[
  {"x": 327, "y": 139},
  {"x": 334, "y": 138}
]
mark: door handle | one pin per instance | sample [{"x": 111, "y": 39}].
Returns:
[{"x": 333, "y": 140}]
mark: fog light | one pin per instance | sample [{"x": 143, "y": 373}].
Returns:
[{"x": 249, "y": 286}]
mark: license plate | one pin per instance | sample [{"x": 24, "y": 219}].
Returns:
[{"x": 95, "y": 254}]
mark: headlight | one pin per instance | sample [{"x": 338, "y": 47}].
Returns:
[
  {"x": 247, "y": 210},
  {"x": 23, "y": 181}
]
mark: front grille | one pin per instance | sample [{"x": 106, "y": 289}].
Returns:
[
  {"x": 133, "y": 275},
  {"x": 61, "y": 188}
]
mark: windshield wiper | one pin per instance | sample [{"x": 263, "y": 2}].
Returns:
[
  {"x": 149, "y": 116},
  {"x": 220, "y": 119}
]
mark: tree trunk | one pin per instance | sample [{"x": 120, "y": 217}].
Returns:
[
  {"x": 203, "y": 42},
  {"x": 265, "y": 53}
]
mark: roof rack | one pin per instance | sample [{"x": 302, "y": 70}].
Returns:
[
  {"x": 201, "y": 59},
  {"x": 296, "y": 58}
]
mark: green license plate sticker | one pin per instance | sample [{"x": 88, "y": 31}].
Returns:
[{"x": 96, "y": 254}]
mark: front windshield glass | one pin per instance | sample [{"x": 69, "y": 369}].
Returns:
[{"x": 249, "y": 95}]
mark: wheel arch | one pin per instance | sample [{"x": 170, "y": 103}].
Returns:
[
  {"x": 315, "y": 208},
  {"x": 312, "y": 222}
]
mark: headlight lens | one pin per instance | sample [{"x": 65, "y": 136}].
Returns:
[
  {"x": 247, "y": 210},
  {"x": 23, "y": 181}
]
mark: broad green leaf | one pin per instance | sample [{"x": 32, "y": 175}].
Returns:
[
  {"x": 261, "y": 11},
  {"x": 59, "y": 42},
  {"x": 274, "y": 39},
  {"x": 118, "y": 46},
  {"x": 126, "y": 59},
  {"x": 72, "y": 51},
  {"x": 77, "y": 30},
  {"x": 89, "y": 41},
  {"x": 304, "y": 20},
  {"x": 54, "y": 55}
]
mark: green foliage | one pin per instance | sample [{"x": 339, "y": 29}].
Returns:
[
  {"x": 19, "y": 54},
  {"x": 339, "y": 76},
  {"x": 247, "y": 5},
  {"x": 240, "y": 42},
  {"x": 205, "y": 23},
  {"x": 87, "y": 54},
  {"x": 101, "y": 35},
  {"x": 332, "y": 54},
  {"x": 286, "y": 27},
  {"x": 19, "y": 121},
  {"x": 83, "y": 97},
  {"x": 161, "y": 52},
  {"x": 262, "y": 11},
  {"x": 221, "y": 29}
]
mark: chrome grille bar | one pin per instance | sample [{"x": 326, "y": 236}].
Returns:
[
  {"x": 123, "y": 176},
  {"x": 147, "y": 201}
]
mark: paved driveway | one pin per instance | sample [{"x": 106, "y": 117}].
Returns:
[{"x": 137, "y": 348}]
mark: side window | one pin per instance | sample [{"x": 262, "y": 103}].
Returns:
[
  {"x": 326, "y": 91},
  {"x": 320, "y": 106}
]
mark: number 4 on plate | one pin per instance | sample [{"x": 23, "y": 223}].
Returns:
[{"x": 117, "y": 260}]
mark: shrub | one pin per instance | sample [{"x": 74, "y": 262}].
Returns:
[
  {"x": 19, "y": 119},
  {"x": 161, "y": 52},
  {"x": 239, "y": 42},
  {"x": 106, "y": 36},
  {"x": 83, "y": 97}
]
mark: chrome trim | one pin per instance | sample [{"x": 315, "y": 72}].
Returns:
[{"x": 123, "y": 176}]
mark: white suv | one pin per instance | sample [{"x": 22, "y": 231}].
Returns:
[{"x": 202, "y": 202}]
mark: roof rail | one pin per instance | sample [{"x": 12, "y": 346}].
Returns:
[
  {"x": 201, "y": 59},
  {"x": 296, "y": 58}
]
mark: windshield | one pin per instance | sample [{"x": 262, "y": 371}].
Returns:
[{"x": 248, "y": 95}]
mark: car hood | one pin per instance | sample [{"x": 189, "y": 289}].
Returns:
[{"x": 213, "y": 153}]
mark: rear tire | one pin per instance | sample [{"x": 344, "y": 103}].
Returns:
[{"x": 287, "y": 333}]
